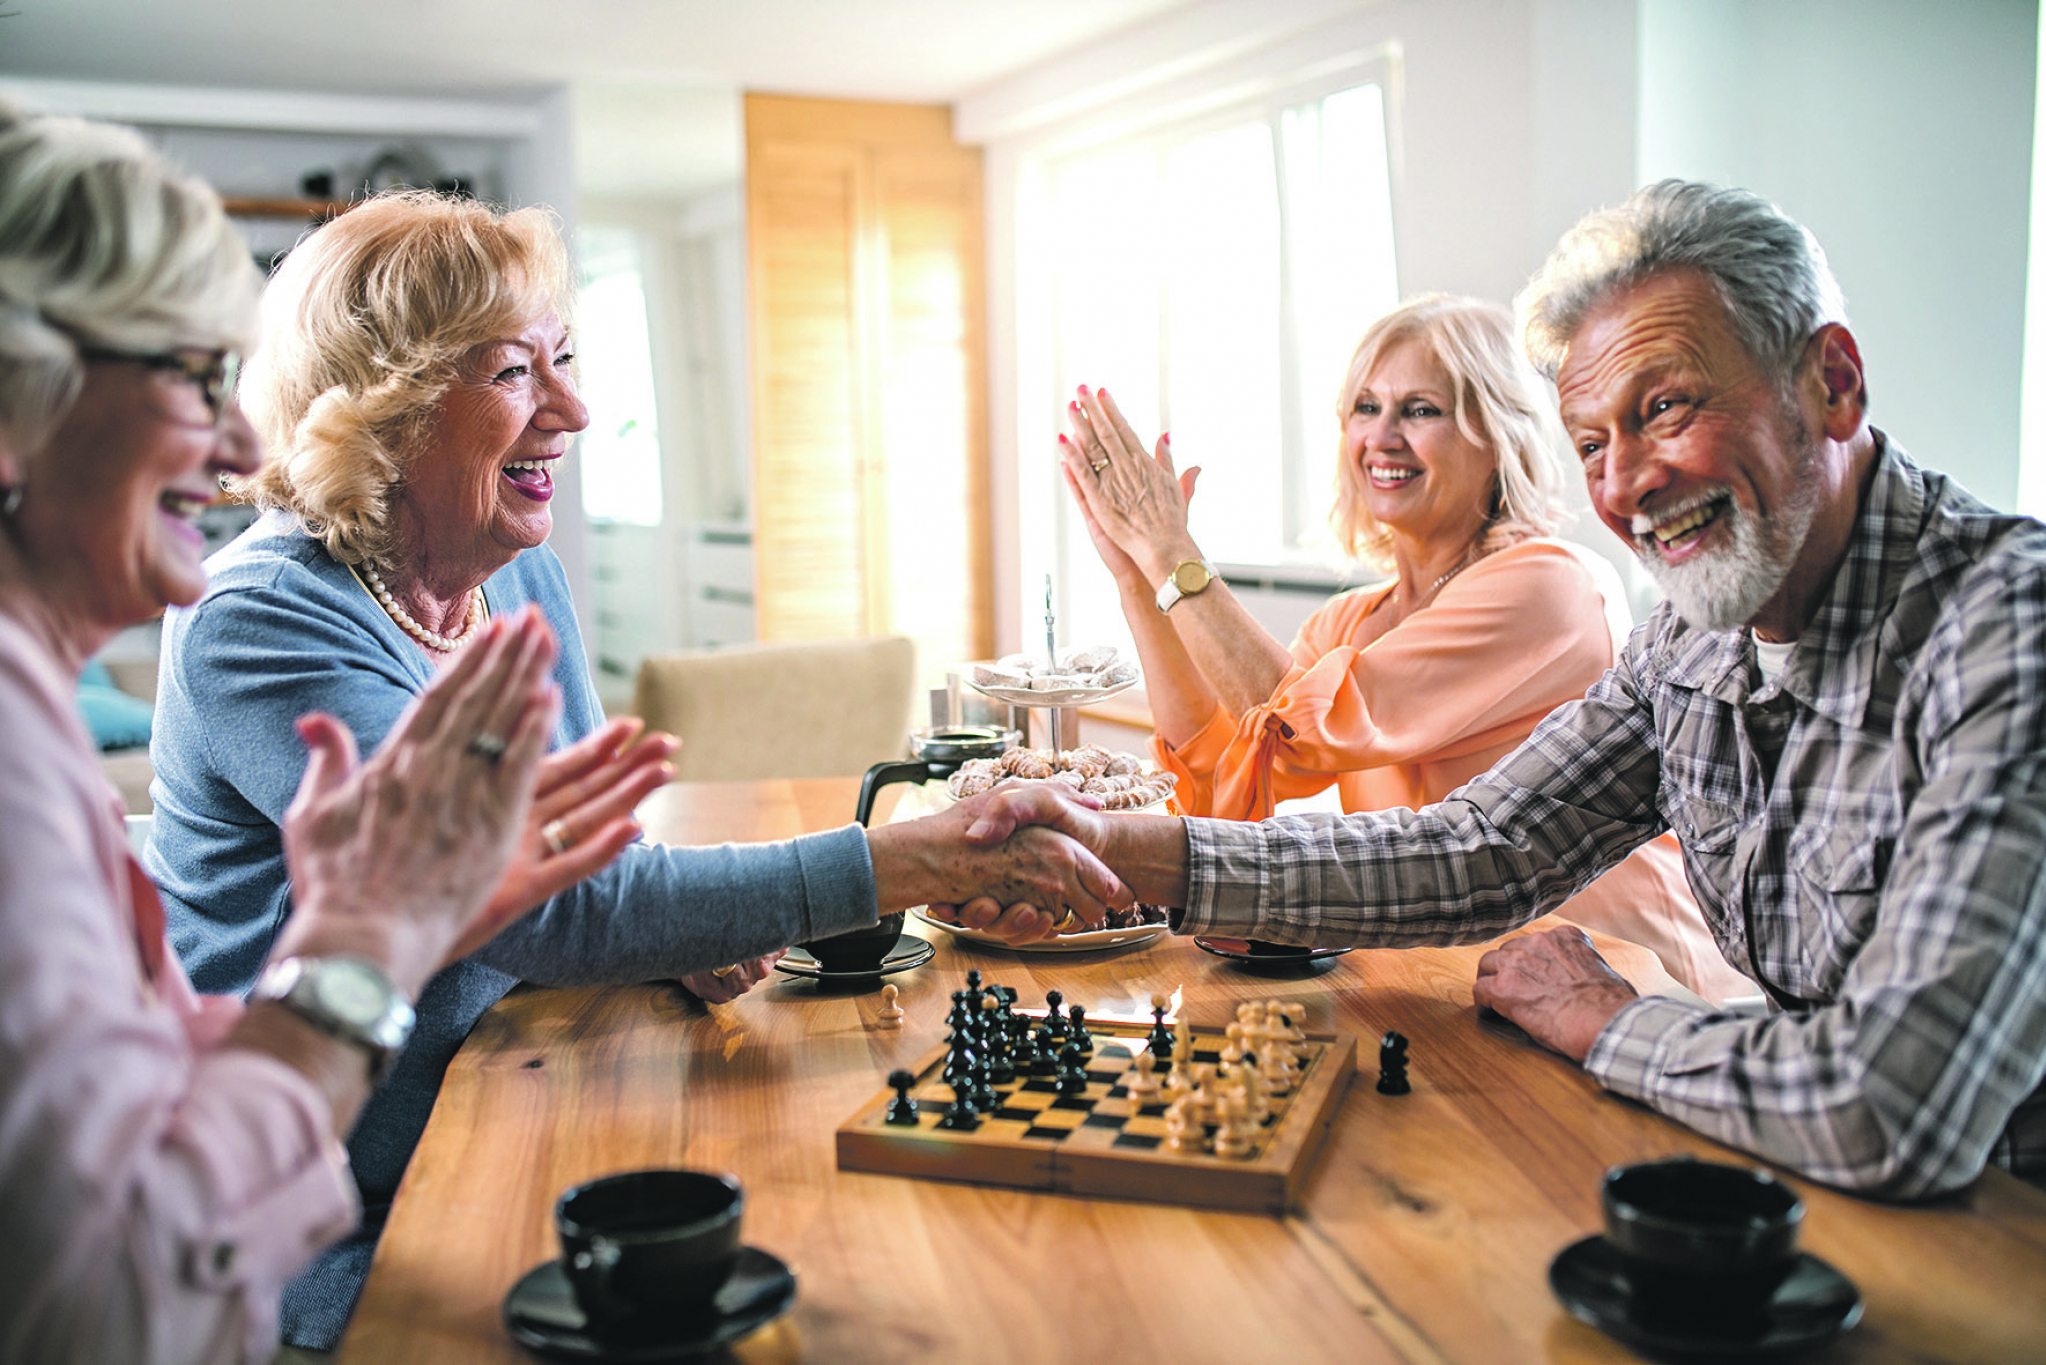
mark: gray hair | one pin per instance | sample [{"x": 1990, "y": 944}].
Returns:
[
  {"x": 1768, "y": 271},
  {"x": 103, "y": 244}
]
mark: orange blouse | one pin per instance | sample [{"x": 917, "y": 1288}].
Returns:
[{"x": 1401, "y": 716}]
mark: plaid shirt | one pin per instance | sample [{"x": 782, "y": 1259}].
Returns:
[{"x": 1865, "y": 836}]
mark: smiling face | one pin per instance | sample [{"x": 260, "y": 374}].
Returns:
[
  {"x": 478, "y": 488},
  {"x": 1695, "y": 455},
  {"x": 1420, "y": 475},
  {"x": 108, "y": 518}
]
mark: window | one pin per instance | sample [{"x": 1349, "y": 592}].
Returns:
[
  {"x": 621, "y": 449},
  {"x": 1213, "y": 273}
]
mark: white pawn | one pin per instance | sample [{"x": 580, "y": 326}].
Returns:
[
  {"x": 1276, "y": 1065},
  {"x": 1142, "y": 1084},
  {"x": 1235, "y": 1139},
  {"x": 1283, "y": 1023},
  {"x": 1256, "y": 1096},
  {"x": 1182, "y": 1133},
  {"x": 890, "y": 1013}
]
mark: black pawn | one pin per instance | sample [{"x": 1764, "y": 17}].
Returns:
[
  {"x": 902, "y": 1109},
  {"x": 959, "y": 1115},
  {"x": 1161, "y": 1036},
  {"x": 1072, "y": 1074},
  {"x": 1076, "y": 1029},
  {"x": 1054, "y": 1022},
  {"x": 1392, "y": 1065}
]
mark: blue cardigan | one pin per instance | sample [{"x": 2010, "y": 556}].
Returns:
[{"x": 284, "y": 629}]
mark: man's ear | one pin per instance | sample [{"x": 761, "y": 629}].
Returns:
[{"x": 1836, "y": 356}]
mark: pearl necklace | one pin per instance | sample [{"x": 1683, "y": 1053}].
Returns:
[{"x": 446, "y": 644}]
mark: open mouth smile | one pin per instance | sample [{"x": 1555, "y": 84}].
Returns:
[
  {"x": 1684, "y": 525},
  {"x": 1390, "y": 475},
  {"x": 533, "y": 478}
]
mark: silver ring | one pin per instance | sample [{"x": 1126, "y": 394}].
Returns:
[
  {"x": 555, "y": 832},
  {"x": 1099, "y": 465},
  {"x": 486, "y": 746}
]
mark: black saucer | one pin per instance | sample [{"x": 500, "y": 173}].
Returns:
[
  {"x": 1814, "y": 1304},
  {"x": 909, "y": 951},
  {"x": 1239, "y": 951},
  {"x": 541, "y": 1313}
]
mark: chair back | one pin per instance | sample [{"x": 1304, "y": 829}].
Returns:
[
  {"x": 138, "y": 833},
  {"x": 823, "y": 708}
]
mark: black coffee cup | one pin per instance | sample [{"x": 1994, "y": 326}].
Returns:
[
  {"x": 862, "y": 950},
  {"x": 1700, "y": 1239},
  {"x": 649, "y": 1247}
]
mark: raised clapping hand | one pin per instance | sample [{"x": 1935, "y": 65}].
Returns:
[
  {"x": 396, "y": 859},
  {"x": 581, "y": 818},
  {"x": 1555, "y": 986},
  {"x": 1134, "y": 500}
]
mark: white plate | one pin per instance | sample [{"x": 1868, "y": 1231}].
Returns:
[
  {"x": 1090, "y": 941},
  {"x": 1023, "y": 696}
]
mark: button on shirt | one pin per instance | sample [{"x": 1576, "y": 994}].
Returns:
[{"x": 1865, "y": 834}]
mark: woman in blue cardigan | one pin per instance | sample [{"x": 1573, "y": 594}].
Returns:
[{"x": 417, "y": 391}]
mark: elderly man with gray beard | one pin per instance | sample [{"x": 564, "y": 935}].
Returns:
[{"x": 1840, "y": 710}]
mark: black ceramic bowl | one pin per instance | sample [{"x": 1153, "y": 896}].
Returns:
[
  {"x": 1710, "y": 1234},
  {"x": 862, "y": 950}
]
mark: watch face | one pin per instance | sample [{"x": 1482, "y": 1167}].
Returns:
[
  {"x": 351, "y": 993},
  {"x": 1190, "y": 576}
]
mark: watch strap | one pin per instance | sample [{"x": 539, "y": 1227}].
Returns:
[{"x": 1170, "y": 593}]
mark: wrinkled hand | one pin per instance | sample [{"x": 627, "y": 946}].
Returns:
[
  {"x": 1555, "y": 986},
  {"x": 1013, "y": 810},
  {"x": 729, "y": 983},
  {"x": 1136, "y": 500},
  {"x": 395, "y": 859},
  {"x": 933, "y": 861},
  {"x": 591, "y": 789}
]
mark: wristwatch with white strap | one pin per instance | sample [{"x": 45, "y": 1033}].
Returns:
[{"x": 1190, "y": 577}]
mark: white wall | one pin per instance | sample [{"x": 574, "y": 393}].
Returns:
[{"x": 1900, "y": 133}]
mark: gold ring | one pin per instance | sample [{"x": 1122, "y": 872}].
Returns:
[
  {"x": 555, "y": 832},
  {"x": 1098, "y": 466},
  {"x": 722, "y": 972},
  {"x": 1067, "y": 920}
]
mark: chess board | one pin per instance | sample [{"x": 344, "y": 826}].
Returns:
[{"x": 1102, "y": 1143}]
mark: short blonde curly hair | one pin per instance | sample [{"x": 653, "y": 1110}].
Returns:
[
  {"x": 1497, "y": 401},
  {"x": 364, "y": 325}
]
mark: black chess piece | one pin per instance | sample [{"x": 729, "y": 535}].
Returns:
[
  {"x": 1000, "y": 1047},
  {"x": 980, "y": 1079},
  {"x": 959, "y": 1064},
  {"x": 959, "y": 1116},
  {"x": 1161, "y": 1036},
  {"x": 1054, "y": 1022},
  {"x": 1392, "y": 1065},
  {"x": 1076, "y": 1029},
  {"x": 973, "y": 981},
  {"x": 1072, "y": 1073},
  {"x": 902, "y": 1109}
]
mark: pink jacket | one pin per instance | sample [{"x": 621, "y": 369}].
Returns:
[{"x": 156, "y": 1187}]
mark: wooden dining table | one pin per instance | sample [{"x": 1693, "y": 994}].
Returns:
[{"x": 1424, "y": 1231}]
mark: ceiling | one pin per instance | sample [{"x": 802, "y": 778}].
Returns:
[{"x": 654, "y": 80}]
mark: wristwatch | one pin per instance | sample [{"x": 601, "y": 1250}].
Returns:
[
  {"x": 1190, "y": 577},
  {"x": 344, "y": 997}
]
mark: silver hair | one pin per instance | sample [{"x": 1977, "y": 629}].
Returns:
[
  {"x": 104, "y": 244},
  {"x": 1767, "y": 269}
]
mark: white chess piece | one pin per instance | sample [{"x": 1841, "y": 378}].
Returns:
[
  {"x": 1234, "y": 1140},
  {"x": 1142, "y": 1085},
  {"x": 890, "y": 1013},
  {"x": 1182, "y": 1133}
]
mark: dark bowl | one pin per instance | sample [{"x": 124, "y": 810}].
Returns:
[
  {"x": 862, "y": 950},
  {"x": 1700, "y": 1216}
]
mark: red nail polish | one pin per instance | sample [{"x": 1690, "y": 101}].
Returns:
[
  {"x": 1083, "y": 389},
  {"x": 1062, "y": 439}
]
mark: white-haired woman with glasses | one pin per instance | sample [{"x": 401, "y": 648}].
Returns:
[
  {"x": 168, "y": 1160},
  {"x": 1450, "y": 477}
]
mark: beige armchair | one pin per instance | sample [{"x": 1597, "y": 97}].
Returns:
[{"x": 825, "y": 708}]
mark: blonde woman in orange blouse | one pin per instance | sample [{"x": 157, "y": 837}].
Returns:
[{"x": 1450, "y": 477}]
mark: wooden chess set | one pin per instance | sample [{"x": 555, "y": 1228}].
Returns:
[{"x": 1208, "y": 1132}]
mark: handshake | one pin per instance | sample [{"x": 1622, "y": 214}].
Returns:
[{"x": 1028, "y": 861}]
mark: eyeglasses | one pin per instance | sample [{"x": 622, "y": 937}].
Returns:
[{"x": 217, "y": 375}]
